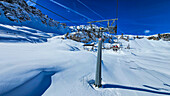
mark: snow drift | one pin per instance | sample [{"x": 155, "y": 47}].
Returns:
[{"x": 142, "y": 70}]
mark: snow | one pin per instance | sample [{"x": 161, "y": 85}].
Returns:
[
  {"x": 24, "y": 29},
  {"x": 28, "y": 69},
  {"x": 11, "y": 33}
]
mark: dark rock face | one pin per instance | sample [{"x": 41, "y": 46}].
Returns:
[
  {"x": 19, "y": 11},
  {"x": 165, "y": 37},
  {"x": 14, "y": 13},
  {"x": 153, "y": 38}
]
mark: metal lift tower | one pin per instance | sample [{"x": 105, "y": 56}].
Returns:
[
  {"x": 110, "y": 29},
  {"x": 99, "y": 58}
]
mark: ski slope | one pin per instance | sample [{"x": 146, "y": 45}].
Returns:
[{"x": 63, "y": 68}]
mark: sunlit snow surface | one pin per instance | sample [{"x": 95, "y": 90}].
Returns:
[
  {"x": 29, "y": 69},
  {"x": 11, "y": 33}
]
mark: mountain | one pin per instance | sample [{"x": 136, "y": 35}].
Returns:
[
  {"x": 83, "y": 34},
  {"x": 18, "y": 13}
]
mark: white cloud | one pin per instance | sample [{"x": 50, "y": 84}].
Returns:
[
  {"x": 147, "y": 31},
  {"x": 31, "y": 3}
]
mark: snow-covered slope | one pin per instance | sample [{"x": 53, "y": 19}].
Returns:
[
  {"x": 18, "y": 13},
  {"x": 10, "y": 33},
  {"x": 29, "y": 69}
]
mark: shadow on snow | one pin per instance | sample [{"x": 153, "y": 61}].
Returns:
[
  {"x": 133, "y": 88},
  {"x": 33, "y": 87}
]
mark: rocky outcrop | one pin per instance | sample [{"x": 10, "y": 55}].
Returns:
[
  {"x": 20, "y": 11},
  {"x": 165, "y": 37},
  {"x": 85, "y": 36},
  {"x": 153, "y": 38}
]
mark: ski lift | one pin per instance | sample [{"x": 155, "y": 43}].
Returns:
[{"x": 110, "y": 28}]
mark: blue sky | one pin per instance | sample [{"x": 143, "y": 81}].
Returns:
[{"x": 135, "y": 16}]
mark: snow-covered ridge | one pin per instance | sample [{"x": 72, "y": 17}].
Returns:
[{"x": 18, "y": 13}]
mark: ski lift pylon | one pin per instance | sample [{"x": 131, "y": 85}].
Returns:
[{"x": 110, "y": 28}]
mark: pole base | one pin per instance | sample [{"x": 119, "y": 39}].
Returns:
[{"x": 99, "y": 86}]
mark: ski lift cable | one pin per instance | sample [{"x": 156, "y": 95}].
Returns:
[
  {"x": 73, "y": 11},
  {"x": 117, "y": 11},
  {"x": 116, "y": 16},
  {"x": 59, "y": 14},
  {"x": 53, "y": 12},
  {"x": 90, "y": 9}
]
